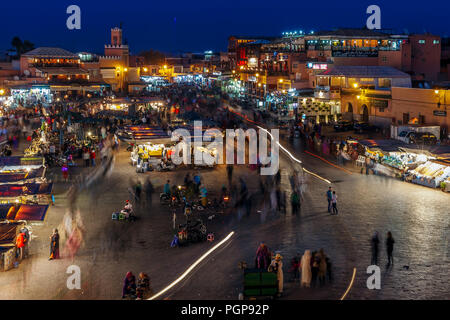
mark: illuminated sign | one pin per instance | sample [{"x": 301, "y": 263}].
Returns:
[
  {"x": 320, "y": 66},
  {"x": 317, "y": 66}
]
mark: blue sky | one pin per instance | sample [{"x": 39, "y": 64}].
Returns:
[{"x": 203, "y": 25}]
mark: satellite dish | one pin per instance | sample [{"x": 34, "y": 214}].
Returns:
[{"x": 27, "y": 72}]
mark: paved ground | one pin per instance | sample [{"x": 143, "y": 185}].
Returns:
[{"x": 417, "y": 216}]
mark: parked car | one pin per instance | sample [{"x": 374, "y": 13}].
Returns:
[
  {"x": 404, "y": 136},
  {"x": 422, "y": 138},
  {"x": 365, "y": 127},
  {"x": 343, "y": 125}
]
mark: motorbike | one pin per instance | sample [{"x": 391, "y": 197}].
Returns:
[
  {"x": 192, "y": 232},
  {"x": 165, "y": 198}
]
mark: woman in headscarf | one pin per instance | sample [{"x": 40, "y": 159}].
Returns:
[
  {"x": 143, "y": 285},
  {"x": 54, "y": 245},
  {"x": 276, "y": 266},
  {"x": 305, "y": 269},
  {"x": 129, "y": 285}
]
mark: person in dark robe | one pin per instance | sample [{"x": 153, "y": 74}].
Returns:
[
  {"x": 129, "y": 285},
  {"x": 262, "y": 257},
  {"x": 54, "y": 245}
]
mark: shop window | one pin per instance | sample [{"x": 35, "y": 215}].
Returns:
[
  {"x": 384, "y": 83},
  {"x": 421, "y": 119},
  {"x": 405, "y": 118},
  {"x": 422, "y": 41}
]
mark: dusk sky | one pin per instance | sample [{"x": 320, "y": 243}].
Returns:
[{"x": 203, "y": 25}]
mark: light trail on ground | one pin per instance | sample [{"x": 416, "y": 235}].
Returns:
[
  {"x": 350, "y": 285},
  {"x": 281, "y": 146},
  {"x": 294, "y": 158},
  {"x": 192, "y": 267}
]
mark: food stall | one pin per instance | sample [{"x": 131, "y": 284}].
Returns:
[
  {"x": 148, "y": 155},
  {"x": 22, "y": 174},
  {"x": 430, "y": 174},
  {"x": 28, "y": 193},
  {"x": 8, "y": 235},
  {"x": 404, "y": 160},
  {"x": 212, "y": 152}
]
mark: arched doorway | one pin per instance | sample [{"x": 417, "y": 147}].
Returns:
[
  {"x": 349, "y": 107},
  {"x": 348, "y": 113},
  {"x": 365, "y": 113}
]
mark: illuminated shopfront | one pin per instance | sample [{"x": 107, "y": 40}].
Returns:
[{"x": 29, "y": 96}]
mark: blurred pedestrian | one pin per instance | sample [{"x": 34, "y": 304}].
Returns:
[
  {"x": 390, "y": 248},
  {"x": 322, "y": 267},
  {"x": 138, "y": 191},
  {"x": 329, "y": 198},
  {"x": 229, "y": 173},
  {"x": 149, "y": 192},
  {"x": 374, "y": 246},
  {"x": 65, "y": 172},
  {"x": 295, "y": 202},
  {"x": 314, "y": 268},
  {"x": 305, "y": 269},
  {"x": 174, "y": 219},
  {"x": 86, "y": 157},
  {"x": 92, "y": 157}
]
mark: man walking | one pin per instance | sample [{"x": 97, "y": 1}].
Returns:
[
  {"x": 374, "y": 245},
  {"x": 295, "y": 202},
  {"x": 329, "y": 198},
  {"x": 229, "y": 174}
]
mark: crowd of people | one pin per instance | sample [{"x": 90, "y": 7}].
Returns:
[
  {"x": 133, "y": 289},
  {"x": 307, "y": 269}
]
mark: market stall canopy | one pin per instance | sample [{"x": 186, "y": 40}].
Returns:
[
  {"x": 8, "y": 232},
  {"x": 384, "y": 145},
  {"x": 23, "y": 212},
  {"x": 15, "y": 190},
  {"x": 10, "y": 174},
  {"x": 19, "y": 161}
]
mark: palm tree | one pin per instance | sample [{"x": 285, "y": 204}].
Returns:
[{"x": 21, "y": 47}]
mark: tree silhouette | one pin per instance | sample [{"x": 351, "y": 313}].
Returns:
[{"x": 21, "y": 47}]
